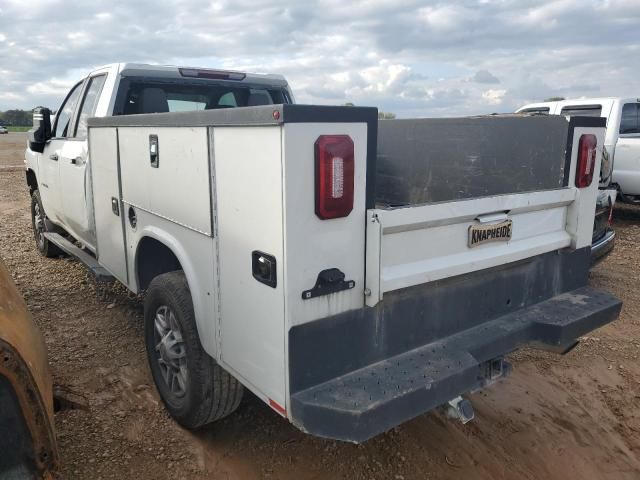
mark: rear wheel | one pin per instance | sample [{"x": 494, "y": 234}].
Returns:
[
  {"x": 194, "y": 388},
  {"x": 40, "y": 224}
]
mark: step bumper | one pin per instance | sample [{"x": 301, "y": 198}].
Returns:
[{"x": 370, "y": 400}]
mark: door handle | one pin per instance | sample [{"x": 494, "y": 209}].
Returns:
[
  {"x": 54, "y": 157},
  {"x": 77, "y": 161},
  {"x": 154, "y": 154},
  {"x": 115, "y": 206}
]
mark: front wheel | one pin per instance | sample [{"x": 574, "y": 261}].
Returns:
[
  {"x": 39, "y": 224},
  {"x": 194, "y": 388}
]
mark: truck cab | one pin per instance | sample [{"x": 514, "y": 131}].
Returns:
[{"x": 58, "y": 164}]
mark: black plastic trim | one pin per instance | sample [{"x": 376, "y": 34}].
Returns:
[
  {"x": 329, "y": 281},
  {"x": 414, "y": 316},
  {"x": 365, "y": 402},
  {"x": 272, "y": 279}
]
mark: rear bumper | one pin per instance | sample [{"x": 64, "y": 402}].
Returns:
[
  {"x": 360, "y": 373},
  {"x": 601, "y": 248},
  {"x": 370, "y": 400}
]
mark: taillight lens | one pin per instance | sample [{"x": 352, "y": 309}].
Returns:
[
  {"x": 586, "y": 160},
  {"x": 334, "y": 176}
]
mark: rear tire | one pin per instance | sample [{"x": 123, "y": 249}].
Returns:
[
  {"x": 194, "y": 388},
  {"x": 39, "y": 223}
]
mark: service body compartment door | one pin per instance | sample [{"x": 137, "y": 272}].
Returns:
[
  {"x": 165, "y": 172},
  {"x": 107, "y": 195},
  {"x": 248, "y": 185}
]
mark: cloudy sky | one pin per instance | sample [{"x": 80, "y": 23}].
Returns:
[{"x": 414, "y": 58}]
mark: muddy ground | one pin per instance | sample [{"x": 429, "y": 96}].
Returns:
[{"x": 571, "y": 417}]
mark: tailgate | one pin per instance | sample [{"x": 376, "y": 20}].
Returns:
[{"x": 441, "y": 183}]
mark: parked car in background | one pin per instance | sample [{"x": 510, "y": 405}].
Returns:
[
  {"x": 27, "y": 438},
  {"x": 619, "y": 118},
  {"x": 3, "y": 129}
]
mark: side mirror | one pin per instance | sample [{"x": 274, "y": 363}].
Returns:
[{"x": 41, "y": 131}]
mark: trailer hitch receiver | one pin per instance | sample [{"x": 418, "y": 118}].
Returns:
[{"x": 461, "y": 409}]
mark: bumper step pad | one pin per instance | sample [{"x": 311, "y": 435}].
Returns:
[{"x": 368, "y": 401}]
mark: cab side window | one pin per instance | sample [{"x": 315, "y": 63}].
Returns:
[
  {"x": 63, "y": 117},
  {"x": 630, "y": 121},
  {"x": 89, "y": 103}
]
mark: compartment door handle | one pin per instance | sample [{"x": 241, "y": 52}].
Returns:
[{"x": 154, "y": 154}]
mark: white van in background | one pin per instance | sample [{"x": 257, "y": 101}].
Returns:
[{"x": 621, "y": 160}]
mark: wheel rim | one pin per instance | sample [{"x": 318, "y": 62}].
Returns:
[
  {"x": 171, "y": 355},
  {"x": 38, "y": 224}
]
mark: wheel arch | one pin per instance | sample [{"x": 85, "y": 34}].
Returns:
[
  {"x": 158, "y": 251},
  {"x": 32, "y": 180},
  {"x": 153, "y": 258}
]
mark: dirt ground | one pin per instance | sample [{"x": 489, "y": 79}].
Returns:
[
  {"x": 12, "y": 146},
  {"x": 571, "y": 417}
]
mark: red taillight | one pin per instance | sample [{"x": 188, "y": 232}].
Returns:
[
  {"x": 334, "y": 176},
  {"x": 586, "y": 160},
  {"x": 212, "y": 74}
]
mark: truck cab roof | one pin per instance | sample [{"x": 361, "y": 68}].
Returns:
[
  {"x": 173, "y": 71},
  {"x": 605, "y": 103}
]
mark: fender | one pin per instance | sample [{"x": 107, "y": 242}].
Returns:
[{"x": 206, "y": 326}]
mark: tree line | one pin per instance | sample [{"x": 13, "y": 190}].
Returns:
[{"x": 16, "y": 118}]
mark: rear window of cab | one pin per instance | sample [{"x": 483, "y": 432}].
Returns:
[{"x": 582, "y": 110}]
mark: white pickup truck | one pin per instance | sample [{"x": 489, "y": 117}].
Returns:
[
  {"x": 621, "y": 142},
  {"x": 622, "y": 138},
  {"x": 352, "y": 273}
]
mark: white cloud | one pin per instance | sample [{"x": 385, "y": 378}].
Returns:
[
  {"x": 485, "y": 76},
  {"x": 10, "y": 97},
  {"x": 416, "y": 57},
  {"x": 493, "y": 96}
]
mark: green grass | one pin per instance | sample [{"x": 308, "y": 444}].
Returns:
[{"x": 18, "y": 129}]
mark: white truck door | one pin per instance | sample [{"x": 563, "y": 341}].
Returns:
[
  {"x": 105, "y": 166},
  {"x": 73, "y": 164},
  {"x": 626, "y": 163},
  {"x": 49, "y": 167}
]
